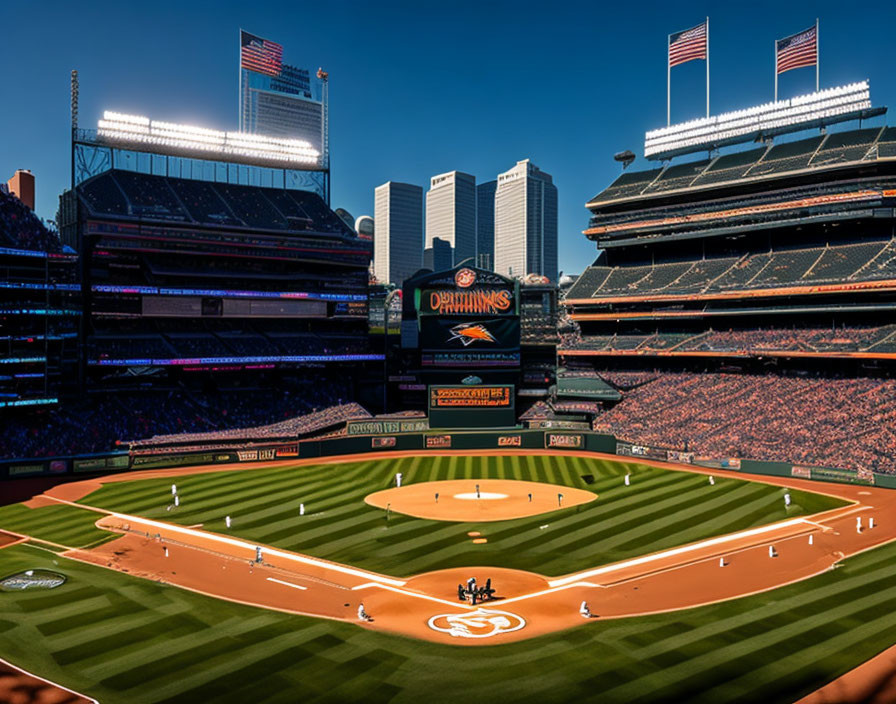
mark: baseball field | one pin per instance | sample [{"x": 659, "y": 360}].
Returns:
[{"x": 689, "y": 604}]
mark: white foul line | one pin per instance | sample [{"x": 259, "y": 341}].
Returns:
[
  {"x": 233, "y": 542},
  {"x": 676, "y": 551},
  {"x": 42, "y": 679},
  {"x": 458, "y": 604},
  {"x": 287, "y": 584}
]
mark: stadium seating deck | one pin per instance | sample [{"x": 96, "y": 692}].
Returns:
[
  {"x": 846, "y": 146},
  {"x": 886, "y": 143},
  {"x": 729, "y": 167},
  {"x": 630, "y": 183},
  {"x": 867, "y": 261},
  {"x": 815, "y": 152},
  {"x": 810, "y": 340},
  {"x": 149, "y": 196},
  {"x": 131, "y": 194},
  {"x": 677, "y": 176}
]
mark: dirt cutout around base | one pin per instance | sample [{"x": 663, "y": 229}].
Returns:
[{"x": 478, "y": 500}]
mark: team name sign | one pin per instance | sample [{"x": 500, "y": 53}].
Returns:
[{"x": 475, "y": 301}]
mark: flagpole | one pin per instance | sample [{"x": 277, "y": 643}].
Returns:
[
  {"x": 239, "y": 64},
  {"x": 775, "y": 66},
  {"x": 707, "y": 67},
  {"x": 668, "y": 82},
  {"x": 817, "y": 55}
]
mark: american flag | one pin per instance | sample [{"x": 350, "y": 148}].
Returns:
[
  {"x": 257, "y": 54},
  {"x": 797, "y": 50},
  {"x": 687, "y": 45}
]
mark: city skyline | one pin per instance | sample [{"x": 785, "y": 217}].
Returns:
[{"x": 396, "y": 117}]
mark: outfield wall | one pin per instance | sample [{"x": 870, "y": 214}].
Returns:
[{"x": 510, "y": 439}]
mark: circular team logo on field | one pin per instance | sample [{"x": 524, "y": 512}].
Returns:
[
  {"x": 465, "y": 278},
  {"x": 481, "y": 623},
  {"x": 32, "y": 579}
]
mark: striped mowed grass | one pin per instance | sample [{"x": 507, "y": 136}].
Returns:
[
  {"x": 661, "y": 509},
  {"x": 131, "y": 641}
]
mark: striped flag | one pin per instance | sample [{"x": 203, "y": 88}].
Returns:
[
  {"x": 260, "y": 55},
  {"x": 797, "y": 51},
  {"x": 688, "y": 45}
]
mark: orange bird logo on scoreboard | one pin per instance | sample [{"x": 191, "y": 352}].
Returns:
[{"x": 468, "y": 334}]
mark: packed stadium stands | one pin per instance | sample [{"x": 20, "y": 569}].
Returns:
[
  {"x": 828, "y": 422},
  {"x": 289, "y": 429},
  {"x": 21, "y": 228},
  {"x": 100, "y": 422}
]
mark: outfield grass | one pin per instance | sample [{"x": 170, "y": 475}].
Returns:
[
  {"x": 661, "y": 509},
  {"x": 64, "y": 525},
  {"x": 131, "y": 641}
]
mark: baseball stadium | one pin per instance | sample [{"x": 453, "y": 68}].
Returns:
[{"x": 236, "y": 468}]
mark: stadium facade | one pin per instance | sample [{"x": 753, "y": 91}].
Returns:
[
  {"x": 39, "y": 313},
  {"x": 194, "y": 269},
  {"x": 774, "y": 262}
]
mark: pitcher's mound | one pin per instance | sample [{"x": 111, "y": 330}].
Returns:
[{"x": 475, "y": 500}]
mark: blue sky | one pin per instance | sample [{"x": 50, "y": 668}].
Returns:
[{"x": 418, "y": 88}]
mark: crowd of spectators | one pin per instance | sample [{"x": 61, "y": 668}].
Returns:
[
  {"x": 291, "y": 428},
  {"x": 99, "y": 424},
  {"x": 20, "y": 228},
  {"x": 833, "y": 422},
  {"x": 809, "y": 340}
]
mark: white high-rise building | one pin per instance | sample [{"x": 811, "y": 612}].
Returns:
[
  {"x": 398, "y": 242},
  {"x": 526, "y": 222},
  {"x": 450, "y": 220}
]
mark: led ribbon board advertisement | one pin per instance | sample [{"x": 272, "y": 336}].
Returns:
[{"x": 471, "y": 406}]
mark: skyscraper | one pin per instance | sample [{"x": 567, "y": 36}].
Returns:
[
  {"x": 485, "y": 224},
  {"x": 276, "y": 99},
  {"x": 450, "y": 220},
  {"x": 526, "y": 222},
  {"x": 398, "y": 243}
]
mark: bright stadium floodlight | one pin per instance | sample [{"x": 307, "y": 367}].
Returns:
[
  {"x": 822, "y": 107},
  {"x": 135, "y": 129}
]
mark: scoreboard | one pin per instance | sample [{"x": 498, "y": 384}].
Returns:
[{"x": 471, "y": 406}]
